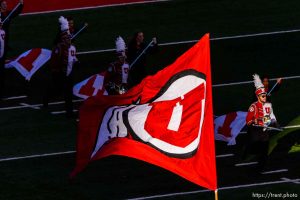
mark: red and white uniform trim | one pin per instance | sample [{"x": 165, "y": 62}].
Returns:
[
  {"x": 71, "y": 59},
  {"x": 258, "y": 112},
  {"x": 2, "y": 42},
  {"x": 119, "y": 72}
]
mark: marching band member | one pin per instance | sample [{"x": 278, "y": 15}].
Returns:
[
  {"x": 61, "y": 63},
  {"x": 2, "y": 59},
  {"x": 8, "y": 15},
  {"x": 118, "y": 70},
  {"x": 137, "y": 53},
  {"x": 269, "y": 89},
  {"x": 4, "y": 33},
  {"x": 260, "y": 116}
]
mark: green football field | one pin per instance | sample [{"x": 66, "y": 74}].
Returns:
[{"x": 37, "y": 146}]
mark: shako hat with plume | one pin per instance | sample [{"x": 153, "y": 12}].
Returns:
[{"x": 260, "y": 89}]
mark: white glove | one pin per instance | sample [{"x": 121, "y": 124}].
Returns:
[{"x": 154, "y": 40}]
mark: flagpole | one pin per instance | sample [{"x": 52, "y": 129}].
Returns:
[
  {"x": 85, "y": 25},
  {"x": 269, "y": 93},
  {"x": 268, "y": 127},
  {"x": 7, "y": 17},
  {"x": 216, "y": 194},
  {"x": 140, "y": 55}
]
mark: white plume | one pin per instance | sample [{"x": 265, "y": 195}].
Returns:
[
  {"x": 64, "y": 24},
  {"x": 120, "y": 44},
  {"x": 257, "y": 81}
]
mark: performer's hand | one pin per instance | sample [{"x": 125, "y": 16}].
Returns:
[
  {"x": 86, "y": 24},
  {"x": 154, "y": 40},
  {"x": 275, "y": 124},
  {"x": 279, "y": 80},
  {"x": 255, "y": 121},
  {"x": 21, "y": 1}
]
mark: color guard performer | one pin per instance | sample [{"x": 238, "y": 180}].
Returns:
[
  {"x": 2, "y": 59},
  {"x": 118, "y": 70},
  {"x": 61, "y": 64},
  {"x": 5, "y": 17},
  {"x": 259, "y": 119}
]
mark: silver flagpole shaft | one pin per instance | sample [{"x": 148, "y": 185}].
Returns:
[
  {"x": 272, "y": 88},
  {"x": 140, "y": 54},
  {"x": 267, "y": 127},
  {"x": 11, "y": 12},
  {"x": 79, "y": 31}
]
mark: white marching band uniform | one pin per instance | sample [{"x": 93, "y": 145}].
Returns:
[{"x": 71, "y": 59}]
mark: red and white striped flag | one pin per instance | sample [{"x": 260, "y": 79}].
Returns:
[
  {"x": 227, "y": 127},
  {"x": 91, "y": 86},
  {"x": 30, "y": 61}
]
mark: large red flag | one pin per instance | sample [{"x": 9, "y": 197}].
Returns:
[{"x": 166, "y": 120}]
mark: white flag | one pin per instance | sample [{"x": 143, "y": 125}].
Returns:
[
  {"x": 91, "y": 86},
  {"x": 227, "y": 127},
  {"x": 30, "y": 61}
]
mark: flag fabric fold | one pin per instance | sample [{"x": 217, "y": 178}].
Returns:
[
  {"x": 227, "y": 127},
  {"x": 30, "y": 61},
  {"x": 166, "y": 120}
]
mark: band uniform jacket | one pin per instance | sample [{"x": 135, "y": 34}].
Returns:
[{"x": 259, "y": 114}]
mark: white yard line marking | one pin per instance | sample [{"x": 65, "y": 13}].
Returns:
[
  {"x": 13, "y": 107},
  {"x": 61, "y": 102},
  {"x": 216, "y": 85},
  {"x": 67, "y": 152},
  {"x": 247, "y": 82},
  {"x": 194, "y": 41},
  {"x": 30, "y": 106},
  {"x": 275, "y": 171},
  {"x": 36, "y": 105},
  {"x": 224, "y": 155},
  {"x": 36, "y": 156},
  {"x": 256, "y": 34},
  {"x": 16, "y": 97},
  {"x": 291, "y": 180},
  {"x": 221, "y": 188},
  {"x": 94, "y": 7},
  {"x": 245, "y": 164},
  {"x": 61, "y": 112}
]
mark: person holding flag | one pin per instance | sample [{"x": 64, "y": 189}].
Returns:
[
  {"x": 137, "y": 51},
  {"x": 74, "y": 32},
  {"x": 6, "y": 16},
  {"x": 61, "y": 63},
  {"x": 259, "y": 119},
  {"x": 2, "y": 59},
  {"x": 118, "y": 70},
  {"x": 269, "y": 90},
  {"x": 273, "y": 89}
]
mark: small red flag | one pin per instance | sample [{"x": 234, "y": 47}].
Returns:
[
  {"x": 166, "y": 120},
  {"x": 30, "y": 61}
]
